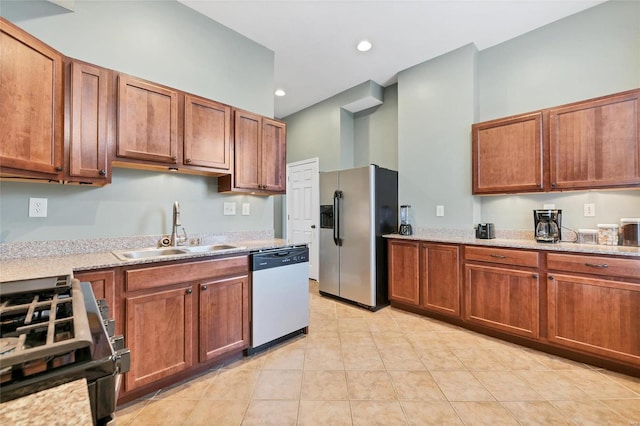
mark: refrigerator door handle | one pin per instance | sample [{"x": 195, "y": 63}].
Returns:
[{"x": 336, "y": 218}]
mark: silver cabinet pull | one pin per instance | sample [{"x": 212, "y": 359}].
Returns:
[
  {"x": 499, "y": 256},
  {"x": 596, "y": 265},
  {"x": 204, "y": 287}
]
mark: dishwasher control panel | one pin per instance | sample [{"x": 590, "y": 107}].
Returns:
[{"x": 280, "y": 257}]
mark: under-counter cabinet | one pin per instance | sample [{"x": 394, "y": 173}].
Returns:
[
  {"x": 425, "y": 275},
  {"x": 594, "y": 305},
  {"x": 501, "y": 290},
  {"x": 260, "y": 145},
  {"x": 147, "y": 121},
  {"x": 596, "y": 143},
  {"x": 507, "y": 155},
  {"x": 31, "y": 106},
  {"x": 179, "y": 317},
  {"x": 224, "y": 317},
  {"x": 88, "y": 108}
]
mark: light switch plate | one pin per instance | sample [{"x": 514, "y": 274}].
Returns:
[
  {"x": 548, "y": 206},
  {"x": 439, "y": 210},
  {"x": 589, "y": 210},
  {"x": 246, "y": 209},
  {"x": 229, "y": 209},
  {"x": 37, "y": 207}
]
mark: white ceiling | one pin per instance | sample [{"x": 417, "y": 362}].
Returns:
[{"x": 314, "y": 40}]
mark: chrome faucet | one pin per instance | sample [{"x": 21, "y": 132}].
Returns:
[{"x": 175, "y": 239}]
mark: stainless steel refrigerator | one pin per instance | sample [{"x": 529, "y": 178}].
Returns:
[{"x": 357, "y": 207}]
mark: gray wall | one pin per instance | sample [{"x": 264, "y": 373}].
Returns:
[
  {"x": 590, "y": 54},
  {"x": 435, "y": 108},
  {"x": 593, "y": 53},
  {"x": 170, "y": 44}
]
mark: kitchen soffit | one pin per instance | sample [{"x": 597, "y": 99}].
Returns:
[{"x": 314, "y": 41}]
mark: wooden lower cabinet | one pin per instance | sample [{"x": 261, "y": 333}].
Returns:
[
  {"x": 224, "y": 317},
  {"x": 440, "y": 278},
  {"x": 595, "y": 315},
  {"x": 502, "y": 298},
  {"x": 159, "y": 334},
  {"x": 404, "y": 272},
  {"x": 425, "y": 275}
]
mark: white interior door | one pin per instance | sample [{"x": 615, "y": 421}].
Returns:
[{"x": 303, "y": 209}]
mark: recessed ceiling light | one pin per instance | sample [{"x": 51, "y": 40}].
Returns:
[
  {"x": 364, "y": 45},
  {"x": 280, "y": 92}
]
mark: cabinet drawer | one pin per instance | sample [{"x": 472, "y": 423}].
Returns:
[
  {"x": 156, "y": 276},
  {"x": 598, "y": 265},
  {"x": 503, "y": 256}
]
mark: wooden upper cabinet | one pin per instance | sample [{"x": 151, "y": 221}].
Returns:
[
  {"x": 507, "y": 155},
  {"x": 596, "y": 143},
  {"x": 147, "y": 121},
  {"x": 207, "y": 133},
  {"x": 273, "y": 155},
  {"x": 31, "y": 105},
  {"x": 260, "y": 157},
  {"x": 88, "y": 123},
  {"x": 247, "y": 137}
]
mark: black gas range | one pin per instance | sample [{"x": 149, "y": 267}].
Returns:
[{"x": 54, "y": 331}]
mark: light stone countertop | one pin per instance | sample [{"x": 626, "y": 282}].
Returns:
[
  {"x": 38, "y": 267},
  {"x": 467, "y": 238},
  {"x": 67, "y": 404}
]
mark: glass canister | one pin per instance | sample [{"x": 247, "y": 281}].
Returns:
[{"x": 608, "y": 234}]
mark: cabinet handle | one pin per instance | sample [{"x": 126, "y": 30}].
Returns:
[
  {"x": 551, "y": 278},
  {"x": 553, "y": 184},
  {"x": 204, "y": 287},
  {"x": 539, "y": 185},
  {"x": 59, "y": 169},
  {"x": 534, "y": 276},
  {"x": 102, "y": 172},
  {"x": 597, "y": 265},
  {"x": 189, "y": 291},
  {"x": 313, "y": 227},
  {"x": 499, "y": 256},
  {"x": 188, "y": 161},
  {"x": 174, "y": 158}
]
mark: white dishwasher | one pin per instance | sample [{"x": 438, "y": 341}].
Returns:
[{"x": 280, "y": 295}]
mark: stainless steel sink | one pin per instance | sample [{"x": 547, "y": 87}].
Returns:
[{"x": 151, "y": 252}]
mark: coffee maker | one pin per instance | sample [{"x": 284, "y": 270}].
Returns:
[{"x": 547, "y": 225}]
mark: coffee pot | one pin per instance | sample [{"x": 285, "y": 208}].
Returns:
[{"x": 548, "y": 225}]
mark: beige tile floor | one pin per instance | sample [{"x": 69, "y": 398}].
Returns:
[{"x": 391, "y": 367}]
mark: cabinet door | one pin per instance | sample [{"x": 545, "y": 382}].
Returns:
[
  {"x": 207, "y": 138},
  {"x": 404, "y": 272},
  {"x": 147, "y": 121},
  {"x": 596, "y": 143},
  {"x": 159, "y": 334},
  {"x": 103, "y": 284},
  {"x": 595, "y": 315},
  {"x": 502, "y": 298},
  {"x": 247, "y": 136},
  {"x": 441, "y": 279},
  {"x": 274, "y": 156},
  {"x": 224, "y": 317},
  {"x": 31, "y": 104},
  {"x": 507, "y": 155},
  {"x": 88, "y": 122}
]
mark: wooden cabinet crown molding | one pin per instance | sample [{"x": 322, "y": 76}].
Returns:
[{"x": 591, "y": 144}]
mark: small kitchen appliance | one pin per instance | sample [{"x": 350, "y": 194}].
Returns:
[
  {"x": 630, "y": 231},
  {"x": 485, "y": 231},
  {"x": 547, "y": 225},
  {"x": 405, "y": 220}
]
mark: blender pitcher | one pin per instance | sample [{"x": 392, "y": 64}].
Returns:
[{"x": 405, "y": 220}]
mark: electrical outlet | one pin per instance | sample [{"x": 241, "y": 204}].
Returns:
[
  {"x": 37, "y": 207},
  {"x": 229, "y": 209},
  {"x": 589, "y": 210},
  {"x": 246, "y": 209},
  {"x": 439, "y": 210}
]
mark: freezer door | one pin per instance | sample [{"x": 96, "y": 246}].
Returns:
[
  {"x": 329, "y": 262},
  {"x": 357, "y": 233}
]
